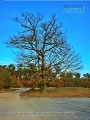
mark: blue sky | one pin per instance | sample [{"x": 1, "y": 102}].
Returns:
[{"x": 78, "y": 25}]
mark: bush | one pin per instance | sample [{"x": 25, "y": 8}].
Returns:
[{"x": 5, "y": 78}]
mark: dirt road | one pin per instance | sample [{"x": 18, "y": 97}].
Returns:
[{"x": 15, "y": 107}]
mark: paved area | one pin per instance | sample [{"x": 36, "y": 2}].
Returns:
[{"x": 15, "y": 107}]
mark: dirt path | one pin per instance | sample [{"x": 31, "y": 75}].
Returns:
[{"x": 15, "y": 107}]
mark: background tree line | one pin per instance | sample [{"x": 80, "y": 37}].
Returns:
[{"x": 21, "y": 76}]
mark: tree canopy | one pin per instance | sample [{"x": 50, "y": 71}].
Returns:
[{"x": 44, "y": 44}]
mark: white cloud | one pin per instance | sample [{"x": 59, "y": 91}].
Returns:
[
  {"x": 3, "y": 58},
  {"x": 6, "y": 61}
]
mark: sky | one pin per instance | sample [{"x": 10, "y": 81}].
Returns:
[{"x": 78, "y": 24}]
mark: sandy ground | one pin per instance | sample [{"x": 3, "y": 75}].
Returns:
[{"x": 15, "y": 107}]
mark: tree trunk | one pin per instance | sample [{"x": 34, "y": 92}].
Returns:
[{"x": 43, "y": 82}]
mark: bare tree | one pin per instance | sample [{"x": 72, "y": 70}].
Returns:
[{"x": 44, "y": 44}]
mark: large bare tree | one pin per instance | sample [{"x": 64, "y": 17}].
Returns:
[{"x": 44, "y": 43}]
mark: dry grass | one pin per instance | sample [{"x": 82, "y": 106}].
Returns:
[
  {"x": 61, "y": 93},
  {"x": 7, "y": 90}
]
